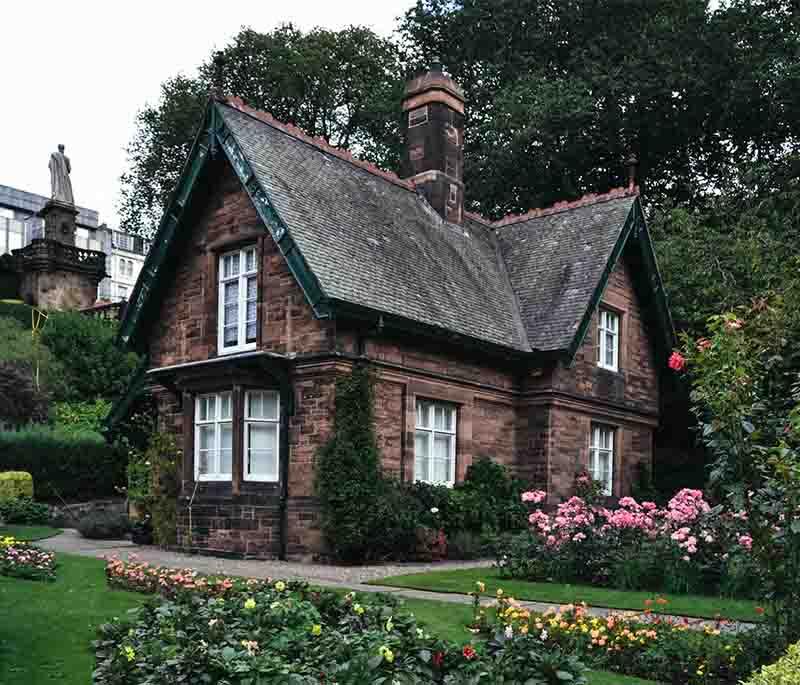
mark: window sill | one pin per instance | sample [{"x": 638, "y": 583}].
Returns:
[
  {"x": 214, "y": 479},
  {"x": 256, "y": 479},
  {"x": 235, "y": 350}
]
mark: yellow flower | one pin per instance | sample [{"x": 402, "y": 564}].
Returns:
[
  {"x": 499, "y": 592},
  {"x": 386, "y": 653},
  {"x": 250, "y": 603},
  {"x": 481, "y": 586},
  {"x": 130, "y": 655},
  {"x": 389, "y": 625},
  {"x": 358, "y": 609},
  {"x": 280, "y": 586},
  {"x": 316, "y": 629}
]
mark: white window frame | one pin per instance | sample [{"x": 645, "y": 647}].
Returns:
[
  {"x": 217, "y": 421},
  {"x": 248, "y": 421},
  {"x": 421, "y": 114},
  {"x": 601, "y": 447},
  {"x": 453, "y": 196},
  {"x": 608, "y": 325},
  {"x": 241, "y": 277},
  {"x": 430, "y": 432}
]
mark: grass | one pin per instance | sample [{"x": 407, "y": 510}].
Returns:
[
  {"x": 463, "y": 580},
  {"x": 29, "y": 533},
  {"x": 47, "y": 628}
]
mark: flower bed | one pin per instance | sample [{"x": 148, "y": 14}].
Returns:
[
  {"x": 23, "y": 560},
  {"x": 246, "y": 631},
  {"x": 641, "y": 644},
  {"x": 685, "y": 547}
]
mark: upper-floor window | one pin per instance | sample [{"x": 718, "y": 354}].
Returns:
[
  {"x": 453, "y": 197},
  {"x": 238, "y": 296},
  {"x": 608, "y": 340},
  {"x": 122, "y": 292},
  {"x": 418, "y": 116},
  {"x": 601, "y": 457},
  {"x": 261, "y": 435},
  {"x": 213, "y": 436},
  {"x": 435, "y": 443}
]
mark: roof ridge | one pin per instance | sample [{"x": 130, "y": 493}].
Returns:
[
  {"x": 566, "y": 205},
  {"x": 318, "y": 142}
]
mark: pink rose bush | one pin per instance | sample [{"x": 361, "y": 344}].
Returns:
[
  {"x": 684, "y": 546},
  {"x": 23, "y": 560}
]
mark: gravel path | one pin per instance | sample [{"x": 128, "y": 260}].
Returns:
[{"x": 349, "y": 577}]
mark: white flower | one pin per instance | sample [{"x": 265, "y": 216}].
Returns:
[
  {"x": 509, "y": 632},
  {"x": 543, "y": 635},
  {"x": 434, "y": 510}
]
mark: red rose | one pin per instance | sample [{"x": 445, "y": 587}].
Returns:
[
  {"x": 468, "y": 652},
  {"x": 677, "y": 362},
  {"x": 437, "y": 659}
]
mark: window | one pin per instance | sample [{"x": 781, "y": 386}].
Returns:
[
  {"x": 453, "y": 199},
  {"x": 130, "y": 268},
  {"x": 213, "y": 437},
  {"x": 261, "y": 435},
  {"x": 435, "y": 443},
  {"x": 452, "y": 134},
  {"x": 238, "y": 290},
  {"x": 122, "y": 292},
  {"x": 124, "y": 241},
  {"x": 451, "y": 167},
  {"x": 601, "y": 457},
  {"x": 418, "y": 116},
  {"x": 608, "y": 340}
]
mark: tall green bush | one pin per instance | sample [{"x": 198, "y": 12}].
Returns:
[
  {"x": 77, "y": 466},
  {"x": 361, "y": 513}
]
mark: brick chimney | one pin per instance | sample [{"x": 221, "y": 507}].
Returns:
[{"x": 433, "y": 108}]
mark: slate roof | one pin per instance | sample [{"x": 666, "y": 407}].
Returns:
[
  {"x": 371, "y": 241},
  {"x": 555, "y": 263}
]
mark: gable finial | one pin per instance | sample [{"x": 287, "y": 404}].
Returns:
[
  {"x": 217, "y": 86},
  {"x": 632, "y": 163}
]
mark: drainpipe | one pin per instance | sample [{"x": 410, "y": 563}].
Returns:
[{"x": 191, "y": 502}]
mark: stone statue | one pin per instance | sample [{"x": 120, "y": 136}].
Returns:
[{"x": 59, "y": 177}]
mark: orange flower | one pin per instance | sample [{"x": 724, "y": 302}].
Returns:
[{"x": 759, "y": 610}]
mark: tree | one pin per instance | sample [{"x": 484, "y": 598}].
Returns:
[
  {"x": 559, "y": 93},
  {"x": 344, "y": 86}
]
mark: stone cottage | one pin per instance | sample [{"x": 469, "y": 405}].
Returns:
[{"x": 535, "y": 340}]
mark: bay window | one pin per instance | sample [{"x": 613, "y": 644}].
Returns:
[
  {"x": 261, "y": 435},
  {"x": 213, "y": 436},
  {"x": 435, "y": 443},
  {"x": 238, "y": 298}
]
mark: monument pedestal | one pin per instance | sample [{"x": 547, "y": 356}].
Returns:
[{"x": 54, "y": 274}]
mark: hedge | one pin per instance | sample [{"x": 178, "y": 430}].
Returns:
[
  {"x": 785, "y": 671},
  {"x": 76, "y": 466},
  {"x": 15, "y": 484}
]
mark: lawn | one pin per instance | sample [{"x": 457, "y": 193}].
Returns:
[
  {"x": 463, "y": 580},
  {"x": 47, "y": 628},
  {"x": 28, "y": 533}
]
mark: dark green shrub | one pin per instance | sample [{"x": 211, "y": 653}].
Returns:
[
  {"x": 103, "y": 525},
  {"x": 76, "y": 466},
  {"x": 465, "y": 545},
  {"x": 489, "y": 500},
  {"x": 23, "y": 510}
]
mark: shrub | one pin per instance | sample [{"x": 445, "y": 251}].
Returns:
[
  {"x": 786, "y": 671},
  {"x": 23, "y": 511},
  {"x": 103, "y": 525},
  {"x": 82, "y": 416},
  {"x": 15, "y": 484},
  {"x": 163, "y": 456},
  {"x": 75, "y": 466}
]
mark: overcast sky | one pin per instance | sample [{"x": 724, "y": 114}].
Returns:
[{"x": 77, "y": 71}]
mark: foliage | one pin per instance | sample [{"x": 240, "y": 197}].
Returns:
[
  {"x": 101, "y": 370},
  {"x": 163, "y": 456},
  {"x": 786, "y": 671},
  {"x": 234, "y": 630},
  {"x": 357, "y": 521},
  {"x": 82, "y": 416},
  {"x": 636, "y": 644},
  {"x": 23, "y": 560},
  {"x": 23, "y": 510},
  {"x": 686, "y": 547},
  {"x": 15, "y": 484},
  {"x": 103, "y": 525},
  {"x": 749, "y": 419},
  {"x": 340, "y": 85},
  {"x": 557, "y": 103},
  {"x": 75, "y": 465}
]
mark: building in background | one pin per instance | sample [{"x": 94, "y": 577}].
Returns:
[{"x": 125, "y": 253}]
